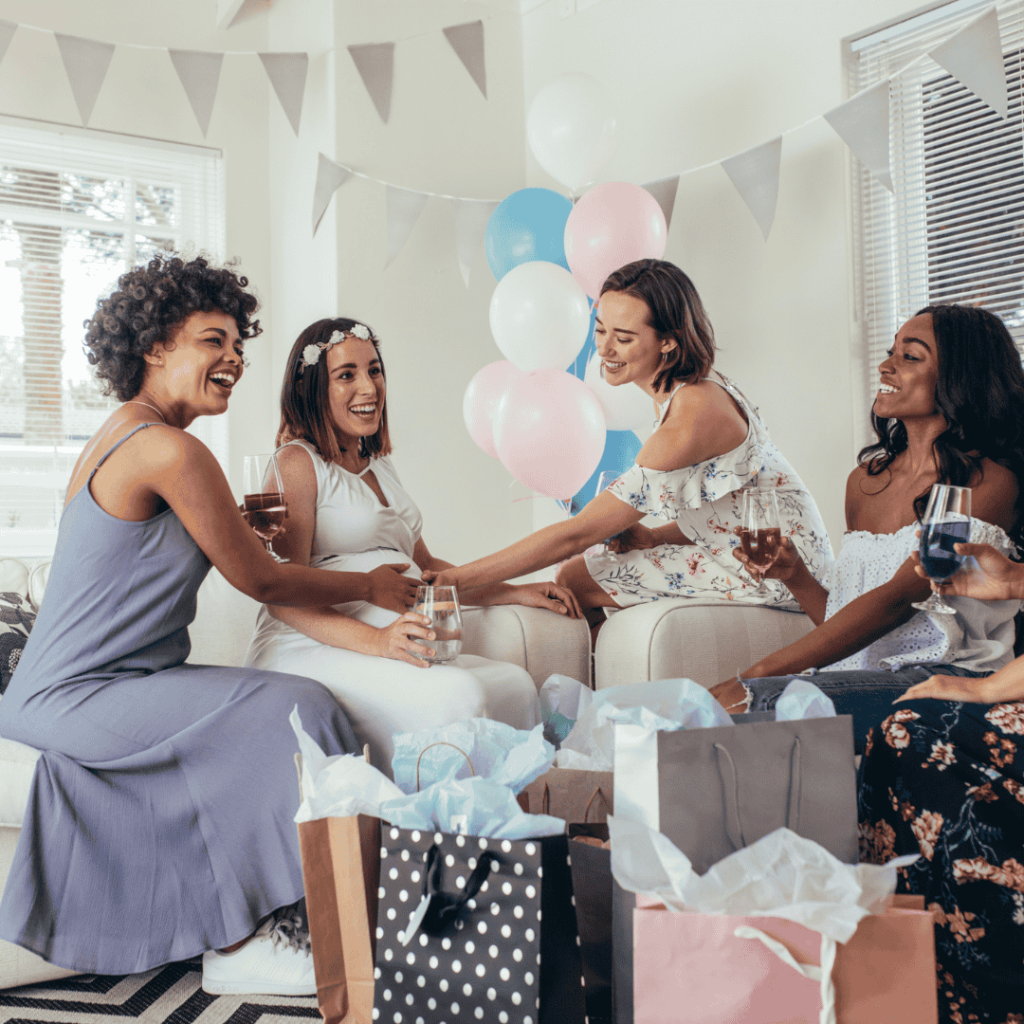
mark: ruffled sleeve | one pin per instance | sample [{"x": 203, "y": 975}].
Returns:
[{"x": 666, "y": 493}]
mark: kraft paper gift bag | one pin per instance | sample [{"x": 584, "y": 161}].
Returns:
[
  {"x": 692, "y": 968},
  {"x": 474, "y": 930},
  {"x": 340, "y": 871},
  {"x": 574, "y": 794}
]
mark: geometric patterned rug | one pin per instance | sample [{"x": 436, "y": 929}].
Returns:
[{"x": 167, "y": 995}]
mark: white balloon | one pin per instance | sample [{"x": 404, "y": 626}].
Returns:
[
  {"x": 572, "y": 129},
  {"x": 626, "y": 407},
  {"x": 539, "y": 316}
]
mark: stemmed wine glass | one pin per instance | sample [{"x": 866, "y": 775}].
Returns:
[
  {"x": 947, "y": 521},
  {"x": 604, "y": 481},
  {"x": 760, "y": 532},
  {"x": 264, "y": 506},
  {"x": 441, "y": 606}
]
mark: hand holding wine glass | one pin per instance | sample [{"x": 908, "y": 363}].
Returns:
[
  {"x": 946, "y": 523},
  {"x": 760, "y": 533},
  {"x": 264, "y": 507},
  {"x": 441, "y": 606}
]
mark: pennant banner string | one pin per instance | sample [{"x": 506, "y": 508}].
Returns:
[{"x": 243, "y": 53}]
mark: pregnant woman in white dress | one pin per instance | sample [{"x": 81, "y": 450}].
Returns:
[{"x": 348, "y": 511}]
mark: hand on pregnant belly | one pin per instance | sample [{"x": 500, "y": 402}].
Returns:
[{"x": 390, "y": 589}]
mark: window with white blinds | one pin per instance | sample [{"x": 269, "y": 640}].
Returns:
[
  {"x": 77, "y": 209},
  {"x": 954, "y": 230}
]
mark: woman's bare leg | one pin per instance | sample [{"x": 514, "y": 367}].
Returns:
[{"x": 574, "y": 575}]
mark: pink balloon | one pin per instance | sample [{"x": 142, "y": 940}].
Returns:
[
  {"x": 549, "y": 431},
  {"x": 484, "y": 393},
  {"x": 612, "y": 225}
]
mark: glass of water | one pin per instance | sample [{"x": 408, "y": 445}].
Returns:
[{"x": 441, "y": 606}]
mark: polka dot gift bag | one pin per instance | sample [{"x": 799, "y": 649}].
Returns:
[{"x": 475, "y": 930}]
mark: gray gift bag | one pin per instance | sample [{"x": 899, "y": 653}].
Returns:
[{"x": 714, "y": 791}]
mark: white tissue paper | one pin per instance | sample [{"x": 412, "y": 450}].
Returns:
[
  {"x": 346, "y": 784},
  {"x": 339, "y": 786},
  {"x": 801, "y": 699},
  {"x": 471, "y": 807},
  {"x": 512, "y": 757},
  {"x": 662, "y": 704},
  {"x": 562, "y": 698},
  {"x": 781, "y": 875}
]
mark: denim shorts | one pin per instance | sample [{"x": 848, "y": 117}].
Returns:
[{"x": 865, "y": 694}]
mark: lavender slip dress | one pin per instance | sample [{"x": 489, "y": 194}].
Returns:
[{"x": 159, "y": 822}]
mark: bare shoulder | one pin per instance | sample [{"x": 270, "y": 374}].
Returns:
[{"x": 297, "y": 472}]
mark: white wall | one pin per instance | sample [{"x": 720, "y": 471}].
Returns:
[
  {"x": 442, "y": 136},
  {"x": 142, "y": 95},
  {"x": 697, "y": 81}
]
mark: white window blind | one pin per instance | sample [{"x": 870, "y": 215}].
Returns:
[
  {"x": 77, "y": 209},
  {"x": 954, "y": 231}
]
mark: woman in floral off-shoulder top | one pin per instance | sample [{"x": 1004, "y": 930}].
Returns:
[{"x": 708, "y": 445}]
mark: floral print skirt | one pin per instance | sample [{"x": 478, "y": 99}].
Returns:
[{"x": 947, "y": 780}]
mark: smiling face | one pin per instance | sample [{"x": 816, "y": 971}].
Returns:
[
  {"x": 356, "y": 388},
  {"x": 910, "y": 373},
  {"x": 193, "y": 372},
  {"x": 629, "y": 347}
]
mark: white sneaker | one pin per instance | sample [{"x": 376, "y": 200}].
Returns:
[{"x": 276, "y": 961}]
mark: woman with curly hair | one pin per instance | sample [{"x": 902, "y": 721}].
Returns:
[
  {"x": 159, "y": 824},
  {"x": 348, "y": 511},
  {"x": 949, "y": 409}
]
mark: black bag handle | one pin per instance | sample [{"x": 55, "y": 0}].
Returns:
[
  {"x": 445, "y": 911},
  {"x": 731, "y": 793}
]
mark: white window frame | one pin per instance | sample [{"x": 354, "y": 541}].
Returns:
[
  {"x": 889, "y": 232},
  {"x": 200, "y": 179}
]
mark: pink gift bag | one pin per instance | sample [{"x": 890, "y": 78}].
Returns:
[{"x": 695, "y": 969}]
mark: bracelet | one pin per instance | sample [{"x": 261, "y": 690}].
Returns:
[{"x": 748, "y": 698}]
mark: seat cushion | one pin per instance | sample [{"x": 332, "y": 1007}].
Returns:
[{"x": 17, "y": 763}]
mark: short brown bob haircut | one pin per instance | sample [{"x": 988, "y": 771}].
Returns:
[
  {"x": 305, "y": 405},
  {"x": 676, "y": 312}
]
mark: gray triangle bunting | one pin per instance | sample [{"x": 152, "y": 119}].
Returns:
[
  {"x": 664, "y": 191},
  {"x": 375, "y": 63},
  {"x": 468, "y": 42},
  {"x": 7, "y": 30},
  {"x": 199, "y": 72},
  {"x": 287, "y": 74},
  {"x": 755, "y": 174},
  {"x": 471, "y": 217},
  {"x": 86, "y": 62},
  {"x": 974, "y": 56},
  {"x": 404, "y": 208},
  {"x": 329, "y": 177},
  {"x": 863, "y": 124}
]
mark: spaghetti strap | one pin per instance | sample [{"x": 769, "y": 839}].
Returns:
[{"x": 110, "y": 451}]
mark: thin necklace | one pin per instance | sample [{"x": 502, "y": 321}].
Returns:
[{"x": 133, "y": 401}]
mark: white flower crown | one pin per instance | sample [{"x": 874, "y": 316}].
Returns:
[{"x": 311, "y": 353}]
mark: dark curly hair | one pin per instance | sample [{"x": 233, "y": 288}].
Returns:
[
  {"x": 979, "y": 391},
  {"x": 148, "y": 304},
  {"x": 306, "y": 401}
]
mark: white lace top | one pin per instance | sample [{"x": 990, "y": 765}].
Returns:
[{"x": 980, "y": 635}]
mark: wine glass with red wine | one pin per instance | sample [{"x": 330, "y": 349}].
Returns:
[
  {"x": 264, "y": 506},
  {"x": 761, "y": 532},
  {"x": 946, "y": 522}
]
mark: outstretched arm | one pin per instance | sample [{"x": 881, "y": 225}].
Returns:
[
  {"x": 534, "y": 595},
  {"x": 603, "y": 517}
]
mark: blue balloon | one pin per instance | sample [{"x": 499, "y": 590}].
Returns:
[
  {"x": 621, "y": 448},
  {"x": 527, "y": 225}
]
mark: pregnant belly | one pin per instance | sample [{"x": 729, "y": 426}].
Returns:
[{"x": 367, "y": 561}]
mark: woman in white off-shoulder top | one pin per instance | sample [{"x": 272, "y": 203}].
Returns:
[
  {"x": 708, "y": 445},
  {"x": 950, "y": 408}
]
